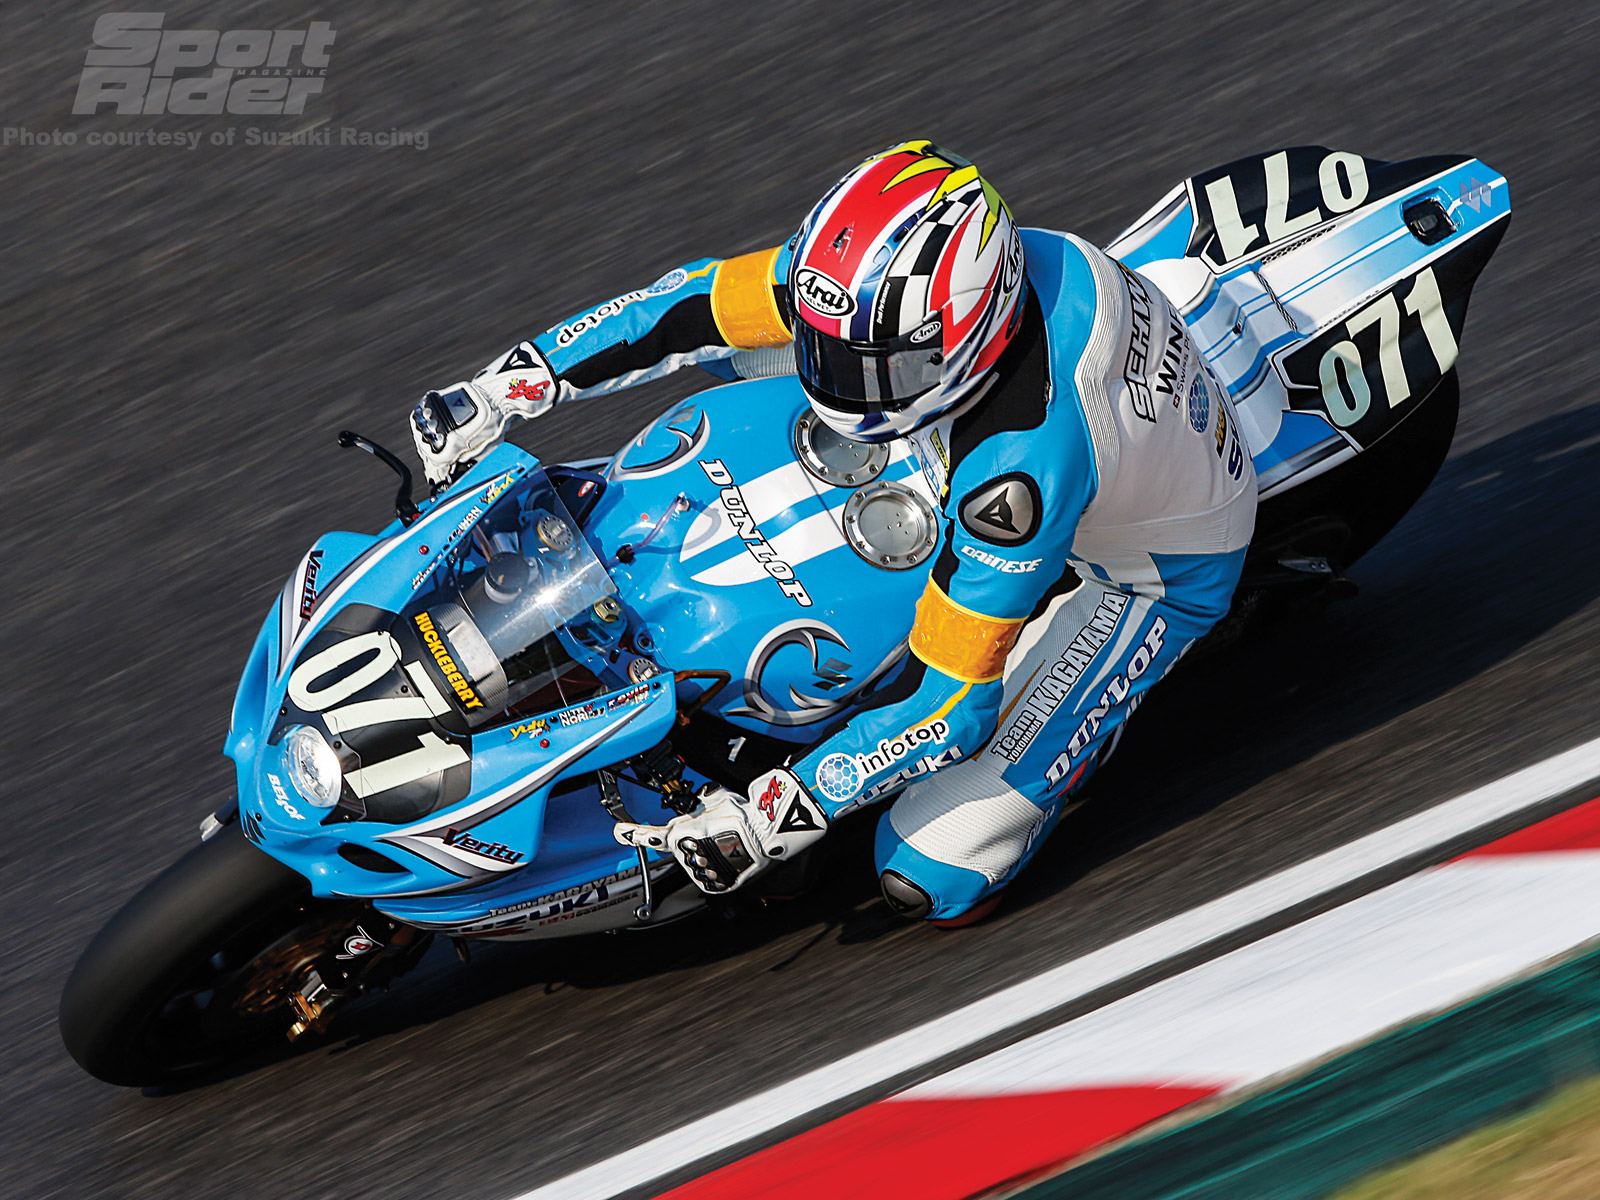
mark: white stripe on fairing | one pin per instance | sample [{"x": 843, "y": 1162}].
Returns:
[
  {"x": 808, "y": 538},
  {"x": 1180, "y": 192},
  {"x": 765, "y": 496},
  {"x": 802, "y": 541},
  {"x": 950, "y": 1034},
  {"x": 1327, "y": 273},
  {"x": 517, "y": 788},
  {"x": 899, "y": 449},
  {"x": 1417, "y": 946}
]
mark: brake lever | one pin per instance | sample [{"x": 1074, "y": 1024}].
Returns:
[
  {"x": 405, "y": 508},
  {"x": 611, "y": 797}
]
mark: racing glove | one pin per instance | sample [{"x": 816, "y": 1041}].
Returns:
[
  {"x": 730, "y": 837},
  {"x": 455, "y": 427}
]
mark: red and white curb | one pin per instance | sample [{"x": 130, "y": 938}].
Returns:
[{"x": 1333, "y": 981}]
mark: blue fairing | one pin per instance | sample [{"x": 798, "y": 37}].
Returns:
[
  {"x": 524, "y": 760},
  {"x": 802, "y": 623},
  {"x": 701, "y": 586}
]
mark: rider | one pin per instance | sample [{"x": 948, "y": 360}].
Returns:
[{"x": 1097, "y": 502}]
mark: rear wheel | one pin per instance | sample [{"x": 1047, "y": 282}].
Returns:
[
  {"x": 1336, "y": 517},
  {"x": 1342, "y": 514},
  {"x": 187, "y": 975}
]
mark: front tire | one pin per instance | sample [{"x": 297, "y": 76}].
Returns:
[{"x": 136, "y": 1010}]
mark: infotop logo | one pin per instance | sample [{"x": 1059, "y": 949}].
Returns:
[{"x": 138, "y": 67}]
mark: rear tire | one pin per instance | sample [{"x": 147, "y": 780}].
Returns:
[
  {"x": 1338, "y": 516},
  {"x": 134, "y": 1011},
  {"x": 1343, "y": 513}
]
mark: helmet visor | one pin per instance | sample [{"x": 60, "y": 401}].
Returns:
[{"x": 868, "y": 377}]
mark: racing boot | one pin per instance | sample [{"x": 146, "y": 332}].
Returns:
[{"x": 911, "y": 902}]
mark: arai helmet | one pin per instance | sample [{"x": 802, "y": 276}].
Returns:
[{"x": 906, "y": 284}]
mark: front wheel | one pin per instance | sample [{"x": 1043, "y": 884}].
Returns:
[{"x": 163, "y": 989}]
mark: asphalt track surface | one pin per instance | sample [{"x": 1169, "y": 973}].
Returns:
[{"x": 183, "y": 332}]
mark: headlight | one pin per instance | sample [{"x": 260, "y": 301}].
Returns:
[{"x": 313, "y": 766}]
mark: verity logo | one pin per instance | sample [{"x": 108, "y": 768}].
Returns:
[{"x": 135, "y": 67}]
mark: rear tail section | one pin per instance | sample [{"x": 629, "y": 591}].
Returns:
[{"x": 1328, "y": 291}]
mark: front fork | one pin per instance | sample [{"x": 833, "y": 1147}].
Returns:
[
  {"x": 361, "y": 963},
  {"x": 328, "y": 963}
]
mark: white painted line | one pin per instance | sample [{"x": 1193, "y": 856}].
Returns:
[
  {"x": 953, "y": 1032},
  {"x": 1418, "y": 946}
]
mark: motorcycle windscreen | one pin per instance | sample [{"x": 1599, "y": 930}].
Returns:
[{"x": 494, "y": 616}]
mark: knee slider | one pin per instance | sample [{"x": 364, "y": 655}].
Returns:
[{"x": 905, "y": 897}]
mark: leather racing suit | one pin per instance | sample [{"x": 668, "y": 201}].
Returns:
[{"x": 1097, "y": 504}]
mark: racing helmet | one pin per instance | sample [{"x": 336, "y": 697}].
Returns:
[{"x": 905, "y": 286}]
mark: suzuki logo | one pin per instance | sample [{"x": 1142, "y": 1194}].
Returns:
[
  {"x": 688, "y": 445},
  {"x": 830, "y": 676}
]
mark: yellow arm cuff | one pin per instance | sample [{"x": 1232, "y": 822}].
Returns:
[
  {"x": 744, "y": 303},
  {"x": 959, "y": 642}
]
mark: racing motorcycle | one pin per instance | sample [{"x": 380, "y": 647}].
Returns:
[{"x": 438, "y": 725}]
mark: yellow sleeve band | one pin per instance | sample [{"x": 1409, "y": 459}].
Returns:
[
  {"x": 959, "y": 642},
  {"x": 744, "y": 304}
]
